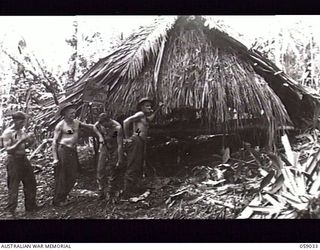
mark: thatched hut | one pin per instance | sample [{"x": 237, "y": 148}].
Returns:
[{"x": 203, "y": 76}]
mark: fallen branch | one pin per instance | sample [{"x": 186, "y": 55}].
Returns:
[{"x": 39, "y": 148}]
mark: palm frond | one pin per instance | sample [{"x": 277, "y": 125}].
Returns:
[{"x": 187, "y": 64}]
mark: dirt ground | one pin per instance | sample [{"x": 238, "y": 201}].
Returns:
[{"x": 180, "y": 196}]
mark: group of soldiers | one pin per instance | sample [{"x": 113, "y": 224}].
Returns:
[{"x": 111, "y": 136}]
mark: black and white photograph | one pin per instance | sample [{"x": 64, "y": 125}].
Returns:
[{"x": 181, "y": 117}]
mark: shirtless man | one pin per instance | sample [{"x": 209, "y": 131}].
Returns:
[
  {"x": 110, "y": 156},
  {"x": 18, "y": 166},
  {"x": 137, "y": 144},
  {"x": 65, "y": 158}
]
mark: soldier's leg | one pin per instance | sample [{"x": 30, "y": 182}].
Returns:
[
  {"x": 59, "y": 177},
  {"x": 134, "y": 167},
  {"x": 29, "y": 186},
  {"x": 111, "y": 169},
  {"x": 13, "y": 181},
  {"x": 65, "y": 173},
  {"x": 57, "y": 186},
  {"x": 72, "y": 167},
  {"x": 101, "y": 171}
]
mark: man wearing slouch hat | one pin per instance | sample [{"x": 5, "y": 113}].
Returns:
[
  {"x": 64, "y": 150},
  {"x": 137, "y": 144}
]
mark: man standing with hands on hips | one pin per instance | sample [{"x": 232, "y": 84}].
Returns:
[{"x": 137, "y": 144}]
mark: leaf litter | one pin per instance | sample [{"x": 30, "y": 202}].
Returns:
[{"x": 251, "y": 183}]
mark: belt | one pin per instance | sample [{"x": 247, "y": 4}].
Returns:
[{"x": 71, "y": 148}]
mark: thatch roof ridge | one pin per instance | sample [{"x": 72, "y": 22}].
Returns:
[
  {"x": 213, "y": 103},
  {"x": 102, "y": 61},
  {"x": 79, "y": 85},
  {"x": 123, "y": 66}
]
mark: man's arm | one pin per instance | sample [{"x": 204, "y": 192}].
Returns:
[
  {"x": 56, "y": 137},
  {"x": 94, "y": 128},
  {"x": 120, "y": 144},
  {"x": 7, "y": 142},
  {"x": 152, "y": 116},
  {"x": 126, "y": 123}
]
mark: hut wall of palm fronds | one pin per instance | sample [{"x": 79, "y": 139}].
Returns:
[{"x": 198, "y": 71}]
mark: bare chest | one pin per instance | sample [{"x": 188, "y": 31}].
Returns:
[
  {"x": 17, "y": 135},
  {"x": 142, "y": 124},
  {"x": 70, "y": 128},
  {"x": 109, "y": 133}
]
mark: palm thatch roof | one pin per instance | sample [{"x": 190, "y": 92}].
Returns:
[{"x": 187, "y": 64}]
